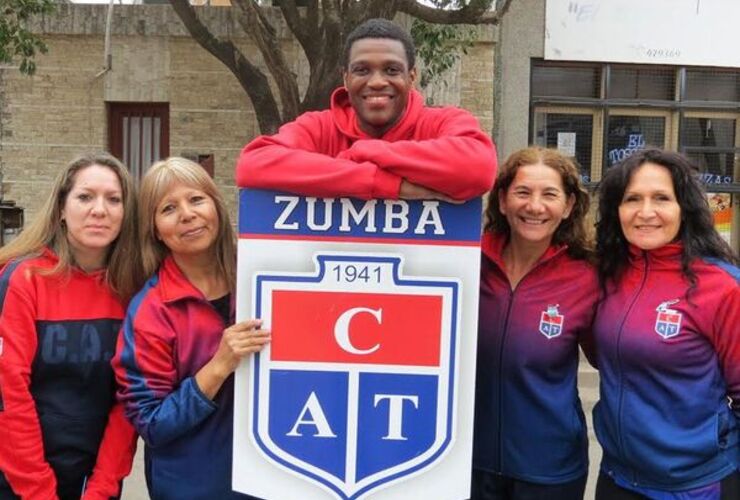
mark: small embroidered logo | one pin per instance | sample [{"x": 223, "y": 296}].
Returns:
[
  {"x": 551, "y": 322},
  {"x": 668, "y": 321}
]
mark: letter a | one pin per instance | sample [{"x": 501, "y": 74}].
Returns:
[
  {"x": 316, "y": 418},
  {"x": 430, "y": 217}
]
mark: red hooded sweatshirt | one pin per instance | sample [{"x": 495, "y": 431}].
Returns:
[{"x": 326, "y": 154}]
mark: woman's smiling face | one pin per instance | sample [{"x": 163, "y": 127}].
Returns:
[
  {"x": 535, "y": 204},
  {"x": 649, "y": 214}
]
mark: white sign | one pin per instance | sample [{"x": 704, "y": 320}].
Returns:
[
  {"x": 367, "y": 388},
  {"x": 567, "y": 143},
  {"x": 680, "y": 32}
]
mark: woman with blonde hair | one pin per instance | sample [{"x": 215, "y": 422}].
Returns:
[
  {"x": 64, "y": 283},
  {"x": 538, "y": 293},
  {"x": 176, "y": 358}
]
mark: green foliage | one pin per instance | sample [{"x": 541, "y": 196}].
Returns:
[
  {"x": 439, "y": 46},
  {"x": 16, "y": 42}
]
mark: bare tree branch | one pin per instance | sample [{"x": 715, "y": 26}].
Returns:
[
  {"x": 474, "y": 12},
  {"x": 253, "y": 81},
  {"x": 258, "y": 27},
  {"x": 324, "y": 76},
  {"x": 382, "y": 8},
  {"x": 306, "y": 30}
]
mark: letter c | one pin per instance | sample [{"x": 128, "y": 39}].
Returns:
[{"x": 341, "y": 329}]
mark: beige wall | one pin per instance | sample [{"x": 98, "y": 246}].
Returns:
[
  {"x": 522, "y": 37},
  {"x": 47, "y": 119}
]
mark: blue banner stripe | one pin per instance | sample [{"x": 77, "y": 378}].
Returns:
[{"x": 288, "y": 215}]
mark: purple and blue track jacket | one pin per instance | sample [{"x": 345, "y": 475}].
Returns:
[
  {"x": 169, "y": 333},
  {"x": 529, "y": 424},
  {"x": 668, "y": 365}
]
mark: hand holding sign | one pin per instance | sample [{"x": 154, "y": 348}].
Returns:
[{"x": 238, "y": 341}]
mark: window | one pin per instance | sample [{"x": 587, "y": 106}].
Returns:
[
  {"x": 711, "y": 140},
  {"x": 565, "y": 80},
  {"x": 693, "y": 110},
  {"x": 627, "y": 133},
  {"x": 570, "y": 131},
  {"x": 712, "y": 85},
  {"x": 626, "y": 82},
  {"x": 138, "y": 134}
]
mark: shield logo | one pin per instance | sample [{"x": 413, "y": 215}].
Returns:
[
  {"x": 668, "y": 321},
  {"x": 551, "y": 322},
  {"x": 356, "y": 390}
]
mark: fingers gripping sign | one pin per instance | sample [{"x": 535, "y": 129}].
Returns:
[
  {"x": 237, "y": 342},
  {"x": 244, "y": 338}
]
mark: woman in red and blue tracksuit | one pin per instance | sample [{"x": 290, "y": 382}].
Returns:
[
  {"x": 537, "y": 298},
  {"x": 667, "y": 337},
  {"x": 176, "y": 356},
  {"x": 63, "y": 285}
]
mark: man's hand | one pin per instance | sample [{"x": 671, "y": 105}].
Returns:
[{"x": 411, "y": 191}]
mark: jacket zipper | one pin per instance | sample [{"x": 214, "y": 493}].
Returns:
[
  {"x": 505, "y": 334},
  {"x": 619, "y": 366},
  {"x": 501, "y": 382}
]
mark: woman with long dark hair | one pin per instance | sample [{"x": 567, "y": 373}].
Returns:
[
  {"x": 537, "y": 297},
  {"x": 667, "y": 337}
]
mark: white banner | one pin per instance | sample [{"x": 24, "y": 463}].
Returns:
[{"x": 680, "y": 32}]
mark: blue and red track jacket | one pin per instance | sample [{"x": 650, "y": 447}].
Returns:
[
  {"x": 325, "y": 153},
  {"x": 668, "y": 364},
  {"x": 60, "y": 430},
  {"x": 529, "y": 424},
  {"x": 169, "y": 333}
]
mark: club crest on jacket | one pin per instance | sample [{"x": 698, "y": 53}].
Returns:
[
  {"x": 668, "y": 321},
  {"x": 551, "y": 322}
]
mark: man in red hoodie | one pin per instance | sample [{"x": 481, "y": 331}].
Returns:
[{"x": 378, "y": 139}]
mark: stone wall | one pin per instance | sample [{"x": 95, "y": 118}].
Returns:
[{"x": 47, "y": 119}]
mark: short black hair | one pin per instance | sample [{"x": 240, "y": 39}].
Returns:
[{"x": 380, "y": 28}]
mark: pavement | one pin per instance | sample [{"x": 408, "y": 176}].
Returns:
[{"x": 134, "y": 488}]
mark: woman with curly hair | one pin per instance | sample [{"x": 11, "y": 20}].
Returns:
[
  {"x": 537, "y": 296},
  {"x": 667, "y": 337}
]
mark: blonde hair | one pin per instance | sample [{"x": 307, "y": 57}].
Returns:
[
  {"x": 123, "y": 266},
  {"x": 156, "y": 183}
]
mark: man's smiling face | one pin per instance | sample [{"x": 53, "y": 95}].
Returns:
[{"x": 378, "y": 80}]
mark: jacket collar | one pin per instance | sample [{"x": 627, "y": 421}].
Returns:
[
  {"x": 49, "y": 254},
  {"x": 666, "y": 256},
  {"x": 173, "y": 283},
  {"x": 345, "y": 118},
  {"x": 493, "y": 245}
]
